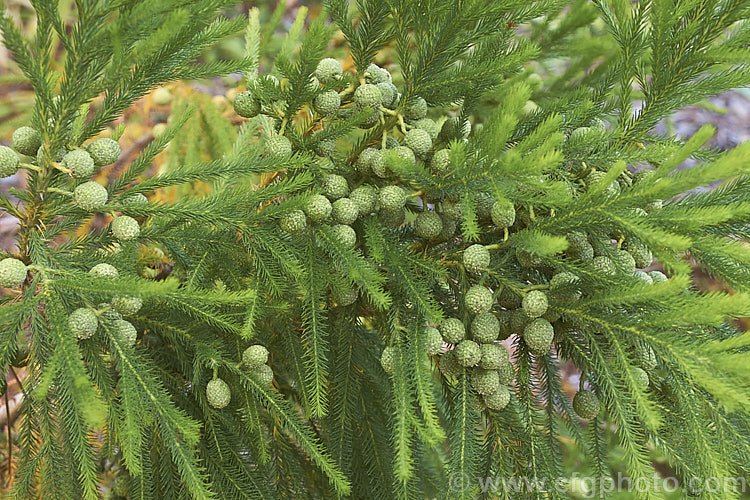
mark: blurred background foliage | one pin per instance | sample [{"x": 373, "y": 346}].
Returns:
[{"x": 212, "y": 129}]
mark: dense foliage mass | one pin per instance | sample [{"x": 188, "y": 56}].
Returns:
[{"x": 394, "y": 260}]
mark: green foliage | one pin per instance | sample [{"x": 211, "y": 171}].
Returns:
[{"x": 330, "y": 324}]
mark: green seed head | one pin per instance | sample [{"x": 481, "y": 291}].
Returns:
[
  {"x": 325, "y": 147},
  {"x": 368, "y": 96},
  {"x": 428, "y": 126},
  {"x": 126, "y": 332},
  {"x": 318, "y": 208},
  {"x": 478, "y": 299},
  {"x": 428, "y": 225},
  {"x": 9, "y": 161},
  {"x": 344, "y": 211},
  {"x": 392, "y": 198},
  {"x": 419, "y": 141},
  {"x": 125, "y": 228},
  {"x": 416, "y": 109},
  {"x": 493, "y": 356},
  {"x": 484, "y": 203},
  {"x": 390, "y": 94},
  {"x": 468, "y": 353},
  {"x": 345, "y": 235},
  {"x": 503, "y": 213},
  {"x": 218, "y": 393},
  {"x": 535, "y": 303},
  {"x": 246, "y": 104},
  {"x": 485, "y": 328},
  {"x": 452, "y": 330},
  {"x": 12, "y": 273},
  {"x": 640, "y": 252},
  {"x": 449, "y": 365},
  {"x": 278, "y": 148},
  {"x": 538, "y": 336},
  {"x": 327, "y": 103},
  {"x": 104, "y": 151},
  {"x": 386, "y": 359},
  {"x": 485, "y": 382},
  {"x": 335, "y": 186},
  {"x": 586, "y": 404},
  {"x": 440, "y": 161},
  {"x": 264, "y": 374},
  {"x": 26, "y": 141},
  {"x": 433, "y": 340},
  {"x": 104, "y": 270},
  {"x": 476, "y": 259},
  {"x": 255, "y": 356},
  {"x": 127, "y": 306},
  {"x": 658, "y": 276},
  {"x": 90, "y": 196},
  {"x": 328, "y": 69},
  {"x": 346, "y": 296},
  {"x": 293, "y": 222},
  {"x": 498, "y": 399},
  {"x": 83, "y": 323},
  {"x": 376, "y": 74},
  {"x": 364, "y": 197}
]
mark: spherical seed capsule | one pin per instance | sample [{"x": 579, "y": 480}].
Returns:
[
  {"x": 12, "y": 273},
  {"x": 26, "y": 141},
  {"x": 586, "y": 404},
  {"x": 90, "y": 196},
  {"x": 104, "y": 151},
  {"x": 328, "y": 70},
  {"x": 476, "y": 259},
  {"x": 452, "y": 330},
  {"x": 255, "y": 356},
  {"x": 218, "y": 393}
]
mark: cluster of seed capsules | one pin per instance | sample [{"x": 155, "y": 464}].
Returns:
[
  {"x": 370, "y": 186},
  {"x": 367, "y": 185},
  {"x": 255, "y": 360},
  {"x": 89, "y": 196}
]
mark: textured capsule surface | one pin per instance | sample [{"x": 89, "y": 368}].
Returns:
[
  {"x": 125, "y": 228},
  {"x": 9, "y": 161},
  {"x": 246, "y": 104},
  {"x": 476, "y": 258},
  {"x": 293, "y": 222},
  {"x": 452, "y": 330},
  {"x": 90, "y": 196},
  {"x": 255, "y": 356},
  {"x": 318, "y": 208},
  {"x": 328, "y": 69},
  {"x": 83, "y": 323},
  {"x": 278, "y": 148},
  {"x": 335, "y": 186},
  {"x": 218, "y": 393},
  {"x": 392, "y": 198},
  {"x": 104, "y": 270},
  {"x": 478, "y": 299},
  {"x": 428, "y": 225},
  {"x": 535, "y": 303},
  {"x": 538, "y": 335},
  {"x": 586, "y": 404},
  {"x": 485, "y": 328},
  {"x": 12, "y": 273},
  {"x": 26, "y": 141},
  {"x": 104, "y": 151},
  {"x": 468, "y": 353},
  {"x": 344, "y": 211}
]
